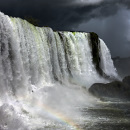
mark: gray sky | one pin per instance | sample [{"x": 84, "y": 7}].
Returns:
[{"x": 110, "y": 19}]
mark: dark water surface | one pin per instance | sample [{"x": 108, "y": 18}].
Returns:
[
  {"x": 106, "y": 116},
  {"x": 102, "y": 116}
]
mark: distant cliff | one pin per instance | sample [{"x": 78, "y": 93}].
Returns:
[{"x": 122, "y": 65}]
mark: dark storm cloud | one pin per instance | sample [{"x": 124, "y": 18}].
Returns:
[
  {"x": 60, "y": 14},
  {"x": 76, "y": 15},
  {"x": 114, "y": 30}
]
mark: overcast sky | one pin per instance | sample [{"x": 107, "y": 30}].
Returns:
[{"x": 110, "y": 19}]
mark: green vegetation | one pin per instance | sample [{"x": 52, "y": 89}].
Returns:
[
  {"x": 32, "y": 20},
  {"x": 74, "y": 33}
]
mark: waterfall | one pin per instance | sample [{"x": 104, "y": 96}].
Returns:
[
  {"x": 106, "y": 62},
  {"x": 32, "y": 58}
]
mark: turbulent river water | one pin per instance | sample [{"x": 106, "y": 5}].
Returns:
[
  {"x": 106, "y": 116},
  {"x": 45, "y": 76},
  {"x": 102, "y": 116}
]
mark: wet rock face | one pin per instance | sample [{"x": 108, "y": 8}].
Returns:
[
  {"x": 115, "y": 89},
  {"x": 95, "y": 51},
  {"x": 126, "y": 80}
]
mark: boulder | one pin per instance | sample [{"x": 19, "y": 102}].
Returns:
[
  {"x": 126, "y": 80},
  {"x": 114, "y": 90}
]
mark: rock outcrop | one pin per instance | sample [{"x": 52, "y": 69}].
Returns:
[{"x": 114, "y": 90}]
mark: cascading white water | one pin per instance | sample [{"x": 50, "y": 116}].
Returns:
[
  {"x": 106, "y": 62},
  {"x": 41, "y": 67}
]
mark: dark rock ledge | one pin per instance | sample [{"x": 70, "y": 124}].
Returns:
[{"x": 114, "y": 91}]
